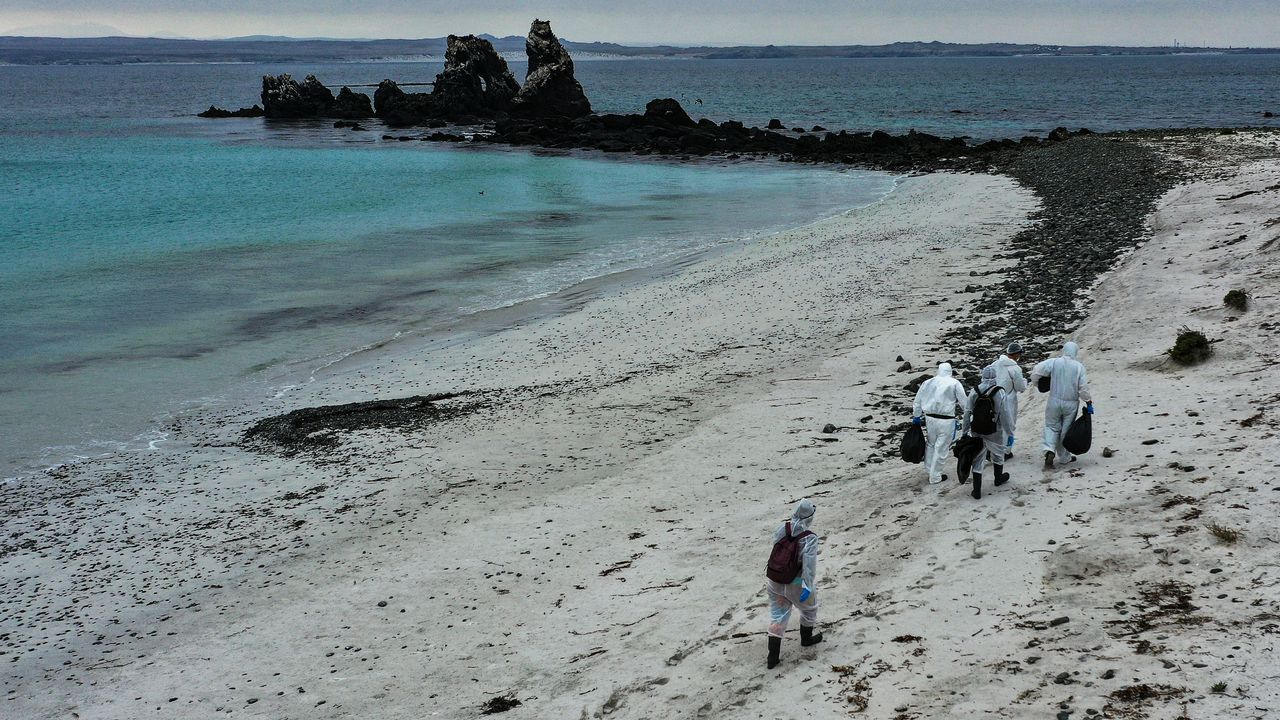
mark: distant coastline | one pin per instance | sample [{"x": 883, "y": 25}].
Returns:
[{"x": 20, "y": 50}]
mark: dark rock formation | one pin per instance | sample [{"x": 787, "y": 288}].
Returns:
[
  {"x": 775, "y": 124},
  {"x": 549, "y": 86},
  {"x": 351, "y": 105},
  {"x": 284, "y": 97},
  {"x": 398, "y": 108},
  {"x": 666, "y": 129},
  {"x": 217, "y": 112},
  {"x": 475, "y": 80},
  {"x": 668, "y": 109},
  {"x": 474, "y": 86},
  {"x": 475, "y": 83}
]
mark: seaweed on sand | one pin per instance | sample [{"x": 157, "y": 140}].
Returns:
[
  {"x": 1133, "y": 701},
  {"x": 317, "y": 428},
  {"x": 1161, "y": 604},
  {"x": 1225, "y": 534}
]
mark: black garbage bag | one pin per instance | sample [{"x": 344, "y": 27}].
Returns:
[
  {"x": 1043, "y": 384},
  {"x": 966, "y": 451},
  {"x": 1079, "y": 436},
  {"x": 913, "y": 445}
]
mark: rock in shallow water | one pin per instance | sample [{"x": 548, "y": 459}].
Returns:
[{"x": 284, "y": 97}]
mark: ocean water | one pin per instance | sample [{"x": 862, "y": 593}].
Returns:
[{"x": 152, "y": 262}]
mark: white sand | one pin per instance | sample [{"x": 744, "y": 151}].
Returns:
[{"x": 599, "y": 551}]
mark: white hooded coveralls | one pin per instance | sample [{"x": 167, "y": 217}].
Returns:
[
  {"x": 1011, "y": 380},
  {"x": 937, "y": 399},
  {"x": 993, "y": 444},
  {"x": 783, "y": 597},
  {"x": 1068, "y": 385}
]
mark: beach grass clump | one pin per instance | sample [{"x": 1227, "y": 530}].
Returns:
[
  {"x": 1191, "y": 347},
  {"x": 499, "y": 704},
  {"x": 1223, "y": 533},
  {"x": 1236, "y": 300},
  {"x": 1218, "y": 688}
]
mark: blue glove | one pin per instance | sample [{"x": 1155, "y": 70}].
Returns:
[
  {"x": 1010, "y": 442},
  {"x": 1089, "y": 408},
  {"x": 917, "y": 421}
]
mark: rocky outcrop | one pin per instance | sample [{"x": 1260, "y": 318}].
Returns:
[
  {"x": 351, "y": 105},
  {"x": 284, "y": 97},
  {"x": 665, "y": 129},
  {"x": 475, "y": 85},
  {"x": 475, "y": 80},
  {"x": 399, "y": 108},
  {"x": 217, "y": 112},
  {"x": 668, "y": 109},
  {"x": 549, "y": 89}
]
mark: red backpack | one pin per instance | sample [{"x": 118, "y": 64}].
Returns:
[{"x": 784, "y": 562}]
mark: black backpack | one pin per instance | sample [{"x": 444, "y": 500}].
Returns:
[
  {"x": 986, "y": 418},
  {"x": 784, "y": 562}
]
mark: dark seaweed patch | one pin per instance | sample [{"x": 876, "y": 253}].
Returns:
[{"x": 318, "y": 428}]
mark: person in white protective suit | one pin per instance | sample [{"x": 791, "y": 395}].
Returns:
[
  {"x": 784, "y": 596},
  {"x": 993, "y": 444},
  {"x": 1068, "y": 385},
  {"x": 1011, "y": 380},
  {"x": 935, "y": 408}
]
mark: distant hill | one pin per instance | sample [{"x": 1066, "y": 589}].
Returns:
[{"x": 267, "y": 48}]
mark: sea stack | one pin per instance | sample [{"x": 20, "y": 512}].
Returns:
[
  {"x": 550, "y": 89},
  {"x": 475, "y": 80}
]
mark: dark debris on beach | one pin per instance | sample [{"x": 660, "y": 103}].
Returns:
[{"x": 319, "y": 428}]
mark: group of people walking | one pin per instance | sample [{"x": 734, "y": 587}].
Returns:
[
  {"x": 945, "y": 411},
  {"x": 990, "y": 411}
]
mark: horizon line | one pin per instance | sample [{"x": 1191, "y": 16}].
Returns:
[{"x": 265, "y": 37}]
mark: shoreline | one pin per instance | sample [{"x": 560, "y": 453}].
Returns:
[
  {"x": 317, "y": 499},
  {"x": 292, "y": 374},
  {"x": 589, "y": 542}
]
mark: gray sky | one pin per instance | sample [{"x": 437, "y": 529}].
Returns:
[{"x": 1113, "y": 22}]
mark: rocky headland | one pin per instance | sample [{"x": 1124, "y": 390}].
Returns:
[{"x": 550, "y": 109}]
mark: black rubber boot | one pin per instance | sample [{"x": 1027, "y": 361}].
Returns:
[
  {"x": 977, "y": 486},
  {"x": 808, "y": 637},
  {"x": 1048, "y": 459},
  {"x": 775, "y": 651},
  {"x": 1002, "y": 477}
]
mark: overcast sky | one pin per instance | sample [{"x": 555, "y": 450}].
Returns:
[{"x": 1113, "y": 22}]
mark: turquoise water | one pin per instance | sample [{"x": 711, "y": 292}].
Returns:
[{"x": 153, "y": 265}]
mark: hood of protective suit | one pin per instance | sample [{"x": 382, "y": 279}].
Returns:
[
  {"x": 802, "y": 516},
  {"x": 988, "y": 378},
  {"x": 944, "y": 370},
  {"x": 1070, "y": 350}
]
